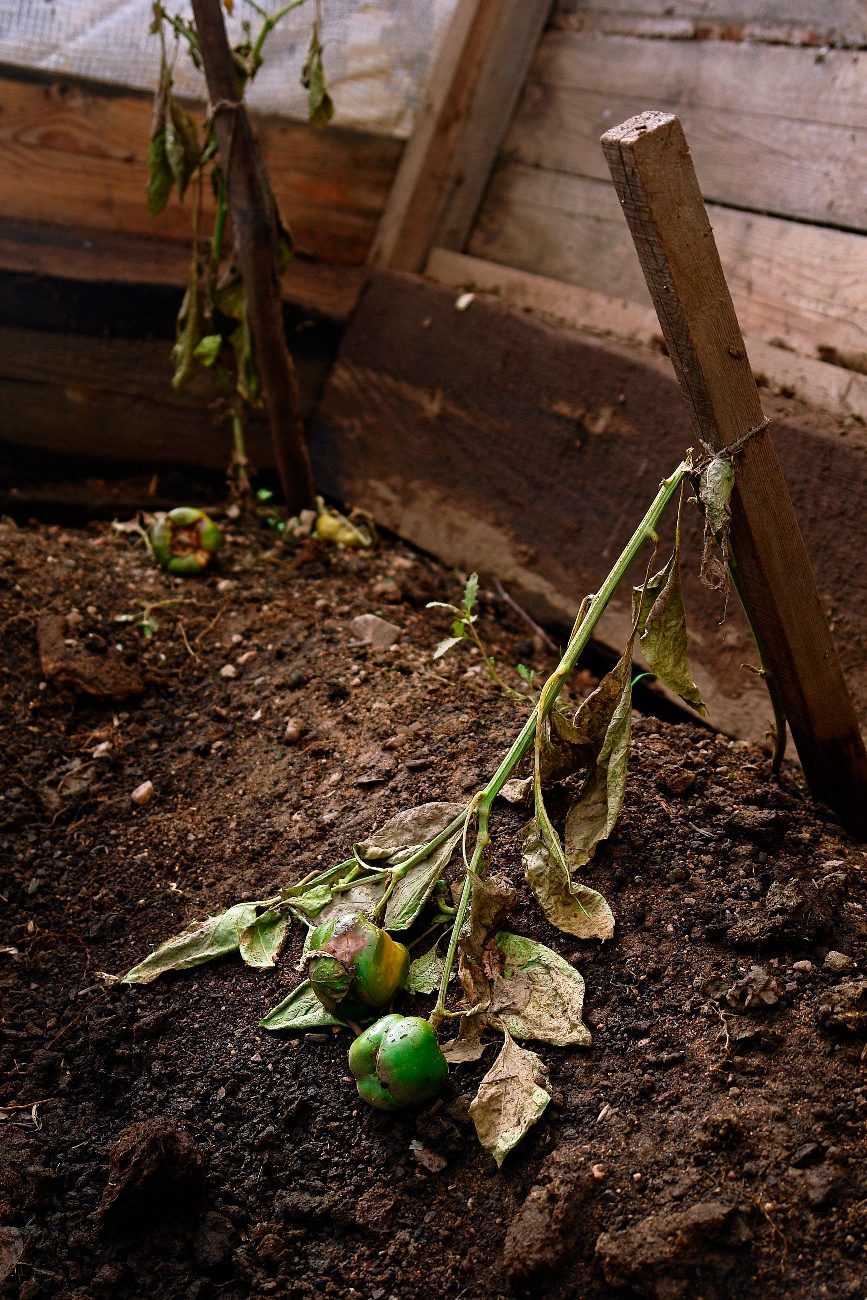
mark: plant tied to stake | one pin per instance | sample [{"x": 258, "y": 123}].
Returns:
[
  {"x": 230, "y": 322},
  {"x": 394, "y": 883}
]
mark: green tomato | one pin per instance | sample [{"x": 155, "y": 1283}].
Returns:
[
  {"x": 185, "y": 541},
  {"x": 398, "y": 1062},
  {"x": 355, "y": 966}
]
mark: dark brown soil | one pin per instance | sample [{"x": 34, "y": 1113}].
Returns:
[{"x": 155, "y": 1142}]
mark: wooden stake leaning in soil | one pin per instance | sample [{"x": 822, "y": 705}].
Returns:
[
  {"x": 256, "y": 224},
  {"x": 656, "y": 182}
]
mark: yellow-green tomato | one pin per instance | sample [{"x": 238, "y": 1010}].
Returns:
[
  {"x": 354, "y": 966},
  {"x": 398, "y": 1062},
  {"x": 185, "y": 541}
]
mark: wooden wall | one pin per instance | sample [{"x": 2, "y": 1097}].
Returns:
[{"x": 773, "y": 98}]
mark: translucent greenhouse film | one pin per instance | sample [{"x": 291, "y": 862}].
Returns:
[{"x": 377, "y": 54}]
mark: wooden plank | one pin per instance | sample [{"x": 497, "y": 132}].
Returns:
[
  {"x": 500, "y": 442},
  {"x": 832, "y": 387},
  {"x": 104, "y": 397},
  {"x": 472, "y": 92},
  {"x": 804, "y": 22},
  {"x": 74, "y": 155},
  {"x": 657, "y": 185},
  {"x": 792, "y": 283},
  {"x": 71, "y": 253},
  {"x": 772, "y": 129}
]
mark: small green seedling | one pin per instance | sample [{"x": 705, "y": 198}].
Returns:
[
  {"x": 394, "y": 882},
  {"x": 464, "y": 629}
]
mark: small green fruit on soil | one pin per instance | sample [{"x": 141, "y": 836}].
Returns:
[
  {"x": 355, "y": 966},
  {"x": 185, "y": 541},
  {"x": 398, "y": 1062}
]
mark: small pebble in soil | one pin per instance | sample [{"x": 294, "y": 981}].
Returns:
[
  {"x": 228, "y": 671},
  {"x": 294, "y": 731},
  {"x": 838, "y": 961},
  {"x": 142, "y": 794}
]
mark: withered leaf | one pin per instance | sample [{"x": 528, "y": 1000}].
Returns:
[
  {"x": 201, "y": 942},
  {"x": 511, "y": 1097},
  {"x": 548, "y": 998},
  {"x": 657, "y": 608},
  {"x": 571, "y": 906}
]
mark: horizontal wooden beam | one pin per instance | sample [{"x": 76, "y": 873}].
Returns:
[
  {"x": 797, "y": 285},
  {"x": 72, "y": 154},
  {"x": 798, "y": 22},
  {"x": 832, "y": 387},
  {"x": 104, "y": 257},
  {"x": 773, "y": 129}
]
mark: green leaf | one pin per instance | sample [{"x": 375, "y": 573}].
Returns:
[
  {"x": 511, "y": 1097},
  {"x": 572, "y": 907},
  {"x": 446, "y": 645},
  {"x": 657, "y": 609},
  {"x": 320, "y": 106},
  {"x": 202, "y": 942},
  {"x": 301, "y": 1010},
  {"x": 528, "y": 674},
  {"x": 471, "y": 591},
  {"x": 261, "y": 942},
  {"x": 160, "y": 178},
  {"x": 539, "y": 994},
  {"x": 182, "y": 144},
  {"x": 208, "y": 349},
  {"x": 189, "y": 333},
  {"x": 425, "y": 972}
]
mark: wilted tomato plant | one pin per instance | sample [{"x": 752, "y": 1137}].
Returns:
[{"x": 394, "y": 882}]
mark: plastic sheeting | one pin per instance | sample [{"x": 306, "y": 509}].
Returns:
[{"x": 377, "y": 54}]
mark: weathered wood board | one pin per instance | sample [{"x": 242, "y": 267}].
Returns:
[
  {"x": 830, "y": 387},
  {"x": 771, "y": 128},
  {"x": 73, "y": 153},
  {"x": 792, "y": 283},
  {"x": 800, "y": 22},
  {"x": 112, "y": 398},
  {"x": 502, "y": 443}
]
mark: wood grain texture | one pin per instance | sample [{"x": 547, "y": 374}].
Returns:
[
  {"x": 472, "y": 92},
  {"x": 831, "y": 387},
  {"x": 71, "y": 253},
  {"x": 500, "y": 442},
  {"x": 772, "y": 129},
  {"x": 803, "y": 22},
  {"x": 104, "y": 397},
  {"x": 791, "y": 282},
  {"x": 657, "y": 186},
  {"x": 73, "y": 154}
]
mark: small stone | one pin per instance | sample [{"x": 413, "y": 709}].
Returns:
[
  {"x": 803, "y": 966},
  {"x": 811, "y": 1153},
  {"x": 228, "y": 671},
  {"x": 142, "y": 794},
  {"x": 838, "y": 961},
  {"x": 598, "y": 1174},
  {"x": 370, "y": 629},
  {"x": 295, "y": 729},
  {"x": 429, "y": 1160}
]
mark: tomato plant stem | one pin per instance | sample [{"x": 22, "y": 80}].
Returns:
[{"x": 593, "y": 611}]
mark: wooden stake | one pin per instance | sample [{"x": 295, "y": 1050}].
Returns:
[
  {"x": 254, "y": 218},
  {"x": 658, "y": 190}
]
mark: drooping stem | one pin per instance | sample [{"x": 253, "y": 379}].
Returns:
[{"x": 593, "y": 611}]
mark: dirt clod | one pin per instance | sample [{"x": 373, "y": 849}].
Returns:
[{"x": 152, "y": 1163}]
